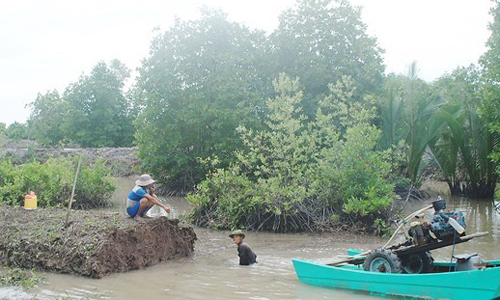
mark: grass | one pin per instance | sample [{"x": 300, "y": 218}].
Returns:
[{"x": 19, "y": 277}]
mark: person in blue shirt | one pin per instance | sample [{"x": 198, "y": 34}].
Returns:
[{"x": 142, "y": 197}]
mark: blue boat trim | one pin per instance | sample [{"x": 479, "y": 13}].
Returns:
[{"x": 464, "y": 285}]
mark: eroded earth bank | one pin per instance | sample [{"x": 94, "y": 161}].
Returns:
[{"x": 94, "y": 244}]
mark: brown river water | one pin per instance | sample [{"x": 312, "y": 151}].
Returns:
[{"x": 213, "y": 271}]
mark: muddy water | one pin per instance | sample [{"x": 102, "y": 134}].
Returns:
[{"x": 213, "y": 271}]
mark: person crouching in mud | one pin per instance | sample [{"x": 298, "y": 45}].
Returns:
[
  {"x": 247, "y": 257},
  {"x": 142, "y": 197}
]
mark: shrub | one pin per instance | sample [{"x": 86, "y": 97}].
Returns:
[
  {"x": 52, "y": 181},
  {"x": 296, "y": 176}
]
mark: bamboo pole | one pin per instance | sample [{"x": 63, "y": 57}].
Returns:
[
  {"x": 409, "y": 217},
  {"x": 74, "y": 186}
]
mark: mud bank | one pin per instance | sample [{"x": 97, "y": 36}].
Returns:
[
  {"x": 122, "y": 161},
  {"x": 95, "y": 244}
]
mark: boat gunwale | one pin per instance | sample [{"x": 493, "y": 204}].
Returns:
[
  {"x": 494, "y": 265},
  {"x": 383, "y": 279}
]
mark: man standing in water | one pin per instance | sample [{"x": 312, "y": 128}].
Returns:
[
  {"x": 142, "y": 197},
  {"x": 247, "y": 257}
]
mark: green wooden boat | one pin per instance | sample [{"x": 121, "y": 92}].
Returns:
[{"x": 459, "y": 285}]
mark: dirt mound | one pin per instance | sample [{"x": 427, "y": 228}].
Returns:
[
  {"x": 95, "y": 244},
  {"x": 122, "y": 161}
]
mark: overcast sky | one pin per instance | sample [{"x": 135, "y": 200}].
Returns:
[{"x": 47, "y": 44}]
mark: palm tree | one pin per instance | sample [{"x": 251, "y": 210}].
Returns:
[
  {"x": 465, "y": 145},
  {"x": 409, "y": 114}
]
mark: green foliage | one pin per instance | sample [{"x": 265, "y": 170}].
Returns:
[
  {"x": 440, "y": 121},
  {"x": 392, "y": 114},
  {"x": 465, "y": 146},
  {"x": 19, "y": 277},
  {"x": 95, "y": 186},
  {"x": 97, "y": 111},
  {"x": 490, "y": 61},
  {"x": 92, "y": 112},
  {"x": 205, "y": 78},
  {"x": 349, "y": 171},
  {"x": 408, "y": 113},
  {"x": 423, "y": 123},
  {"x": 52, "y": 181},
  {"x": 393, "y": 126},
  {"x": 202, "y": 80},
  {"x": 382, "y": 228},
  {"x": 295, "y": 176},
  {"x": 321, "y": 41},
  {"x": 16, "y": 131},
  {"x": 2, "y": 135},
  {"x": 47, "y": 118}
]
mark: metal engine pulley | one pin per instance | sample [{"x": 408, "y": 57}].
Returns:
[{"x": 420, "y": 233}]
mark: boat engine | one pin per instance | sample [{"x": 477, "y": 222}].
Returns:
[
  {"x": 420, "y": 233},
  {"x": 444, "y": 225}
]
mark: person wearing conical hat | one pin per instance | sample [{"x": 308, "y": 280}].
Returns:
[
  {"x": 247, "y": 257},
  {"x": 142, "y": 197}
]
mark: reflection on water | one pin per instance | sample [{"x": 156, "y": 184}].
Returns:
[{"x": 213, "y": 271}]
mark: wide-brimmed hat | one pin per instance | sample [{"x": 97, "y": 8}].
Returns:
[
  {"x": 144, "y": 180},
  {"x": 237, "y": 232}
]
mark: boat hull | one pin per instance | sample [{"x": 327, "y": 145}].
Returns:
[{"x": 464, "y": 285}]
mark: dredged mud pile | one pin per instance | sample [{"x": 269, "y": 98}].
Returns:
[
  {"x": 121, "y": 161},
  {"x": 95, "y": 244}
]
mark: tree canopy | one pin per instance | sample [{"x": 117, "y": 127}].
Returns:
[
  {"x": 323, "y": 40},
  {"x": 202, "y": 79},
  {"x": 47, "y": 118},
  {"x": 490, "y": 61},
  {"x": 92, "y": 112},
  {"x": 300, "y": 176},
  {"x": 98, "y": 112},
  {"x": 16, "y": 131},
  {"x": 206, "y": 77}
]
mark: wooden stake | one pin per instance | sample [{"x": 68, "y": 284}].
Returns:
[{"x": 74, "y": 186}]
